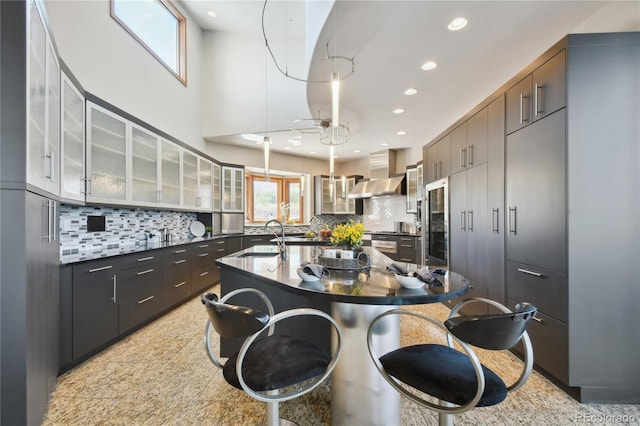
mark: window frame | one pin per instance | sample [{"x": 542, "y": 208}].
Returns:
[
  {"x": 283, "y": 196},
  {"x": 181, "y": 74}
]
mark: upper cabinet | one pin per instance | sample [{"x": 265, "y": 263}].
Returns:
[
  {"x": 412, "y": 189},
  {"x": 72, "y": 183},
  {"x": 106, "y": 156},
  {"x": 538, "y": 94},
  {"x": 438, "y": 159},
  {"x": 205, "y": 182},
  {"x": 232, "y": 189},
  {"x": 144, "y": 167},
  {"x": 43, "y": 106},
  {"x": 333, "y": 199},
  {"x": 189, "y": 180},
  {"x": 217, "y": 188},
  {"x": 171, "y": 184}
]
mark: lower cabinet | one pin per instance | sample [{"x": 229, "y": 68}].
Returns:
[
  {"x": 140, "y": 295},
  {"x": 108, "y": 298},
  {"x": 94, "y": 305},
  {"x": 407, "y": 249}
]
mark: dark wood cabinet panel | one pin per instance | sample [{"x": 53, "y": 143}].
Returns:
[{"x": 549, "y": 91}]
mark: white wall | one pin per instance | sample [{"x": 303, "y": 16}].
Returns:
[{"x": 112, "y": 65}]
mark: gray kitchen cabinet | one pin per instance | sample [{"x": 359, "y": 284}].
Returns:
[
  {"x": 232, "y": 189},
  {"x": 144, "y": 167},
  {"x": 536, "y": 194},
  {"x": 72, "y": 143},
  {"x": 204, "y": 272},
  {"x": 94, "y": 305},
  {"x": 170, "y": 181},
  {"x": 234, "y": 244},
  {"x": 495, "y": 199},
  {"x": 407, "y": 249},
  {"x": 459, "y": 148},
  {"x": 216, "y": 202},
  {"x": 538, "y": 94},
  {"x": 176, "y": 275},
  {"x": 189, "y": 180},
  {"x": 412, "y": 189},
  {"x": 43, "y": 105},
  {"x": 140, "y": 290},
  {"x": 335, "y": 200},
  {"x": 106, "y": 161},
  {"x": 256, "y": 240},
  {"x": 438, "y": 163}
]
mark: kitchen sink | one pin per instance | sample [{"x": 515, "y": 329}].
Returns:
[{"x": 259, "y": 254}]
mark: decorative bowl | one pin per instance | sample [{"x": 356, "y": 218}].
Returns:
[
  {"x": 409, "y": 281},
  {"x": 306, "y": 277}
]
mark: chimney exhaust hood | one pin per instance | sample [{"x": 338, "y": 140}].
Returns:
[{"x": 383, "y": 178}]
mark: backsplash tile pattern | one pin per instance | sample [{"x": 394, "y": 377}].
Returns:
[
  {"x": 380, "y": 213},
  {"x": 124, "y": 227}
]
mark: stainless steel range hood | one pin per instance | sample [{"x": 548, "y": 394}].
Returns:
[{"x": 383, "y": 178}]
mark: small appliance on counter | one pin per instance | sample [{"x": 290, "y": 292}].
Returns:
[{"x": 232, "y": 223}]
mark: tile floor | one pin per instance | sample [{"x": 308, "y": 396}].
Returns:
[{"x": 161, "y": 375}]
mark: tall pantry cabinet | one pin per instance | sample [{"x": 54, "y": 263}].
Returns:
[
  {"x": 572, "y": 237},
  {"x": 29, "y": 187}
]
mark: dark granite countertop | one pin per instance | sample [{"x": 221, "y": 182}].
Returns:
[{"x": 368, "y": 286}]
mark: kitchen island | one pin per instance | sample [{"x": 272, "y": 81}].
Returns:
[{"x": 359, "y": 395}]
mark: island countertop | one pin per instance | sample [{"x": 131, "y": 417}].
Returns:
[{"x": 374, "y": 285}]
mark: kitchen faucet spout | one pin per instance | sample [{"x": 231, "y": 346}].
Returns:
[{"x": 283, "y": 249}]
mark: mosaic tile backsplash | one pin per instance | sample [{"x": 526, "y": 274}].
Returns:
[{"x": 123, "y": 227}]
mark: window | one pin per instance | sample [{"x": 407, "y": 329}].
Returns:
[
  {"x": 159, "y": 27},
  {"x": 264, "y": 198}
]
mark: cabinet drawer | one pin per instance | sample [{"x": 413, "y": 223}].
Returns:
[
  {"x": 544, "y": 288},
  {"x": 549, "y": 338},
  {"x": 131, "y": 313},
  {"x": 96, "y": 269},
  {"x": 204, "y": 278},
  {"x": 140, "y": 282},
  {"x": 141, "y": 259},
  {"x": 177, "y": 253}
]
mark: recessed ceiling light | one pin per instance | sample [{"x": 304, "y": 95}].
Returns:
[
  {"x": 429, "y": 65},
  {"x": 356, "y": 150},
  {"x": 385, "y": 144},
  {"x": 457, "y": 24},
  {"x": 287, "y": 147},
  {"x": 312, "y": 152},
  {"x": 398, "y": 111},
  {"x": 401, "y": 133},
  {"x": 211, "y": 14},
  {"x": 411, "y": 91}
]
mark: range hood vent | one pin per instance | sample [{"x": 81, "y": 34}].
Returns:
[{"x": 383, "y": 179}]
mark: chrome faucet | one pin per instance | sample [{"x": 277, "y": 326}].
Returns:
[{"x": 283, "y": 249}]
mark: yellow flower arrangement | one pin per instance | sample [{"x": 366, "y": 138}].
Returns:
[{"x": 349, "y": 233}]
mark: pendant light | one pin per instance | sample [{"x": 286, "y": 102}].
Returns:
[
  {"x": 266, "y": 142},
  {"x": 266, "y": 147}
]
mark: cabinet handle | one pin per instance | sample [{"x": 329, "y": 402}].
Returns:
[
  {"x": 512, "y": 220},
  {"x": 143, "y": 259},
  {"x": 526, "y": 271},
  {"x": 470, "y": 155},
  {"x": 221, "y": 249},
  {"x": 495, "y": 218},
  {"x": 145, "y": 272},
  {"x": 140, "y": 302},
  {"x": 536, "y": 103},
  {"x": 256, "y": 239},
  {"x": 463, "y": 220},
  {"x": 470, "y": 220},
  {"x": 159, "y": 196},
  {"x": 406, "y": 245},
  {"x": 203, "y": 254},
  {"x": 48, "y": 158},
  {"x": 204, "y": 273},
  {"x": 439, "y": 169},
  {"x": 101, "y": 269},
  {"x": 46, "y": 211},
  {"x": 177, "y": 262},
  {"x": 434, "y": 170},
  {"x": 89, "y": 186},
  {"x": 522, "y": 117},
  {"x": 115, "y": 285},
  {"x": 180, "y": 251},
  {"x": 180, "y": 284},
  {"x": 204, "y": 246},
  {"x": 404, "y": 259},
  {"x": 463, "y": 154},
  {"x": 536, "y": 319},
  {"x": 86, "y": 185}
]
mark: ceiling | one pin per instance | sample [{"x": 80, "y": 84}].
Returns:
[{"x": 388, "y": 42}]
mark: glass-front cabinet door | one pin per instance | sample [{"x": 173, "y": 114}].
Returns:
[
  {"x": 72, "y": 184},
  {"x": 107, "y": 155},
  {"x": 327, "y": 196},
  {"x": 170, "y": 174},
  {"x": 43, "y": 106},
  {"x": 340, "y": 195},
  {"x": 232, "y": 189},
  {"x": 189, "y": 179},
  {"x": 412, "y": 189},
  {"x": 144, "y": 167},
  {"x": 351, "y": 202},
  {"x": 204, "y": 184},
  {"x": 217, "y": 188}
]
